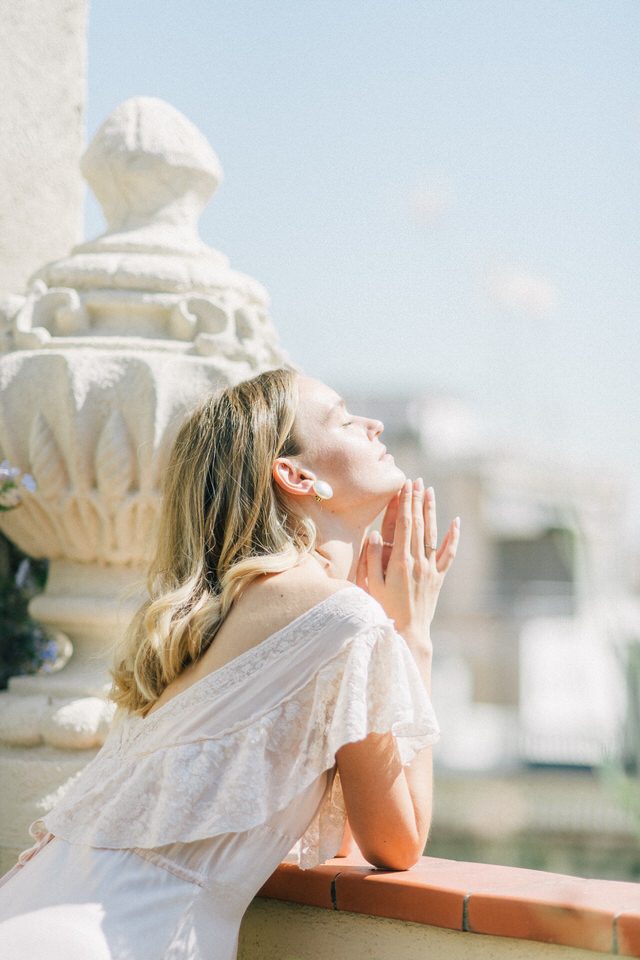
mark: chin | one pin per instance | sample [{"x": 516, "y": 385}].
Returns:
[
  {"x": 397, "y": 477},
  {"x": 398, "y": 470}
]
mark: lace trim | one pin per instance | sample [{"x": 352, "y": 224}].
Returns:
[
  {"x": 323, "y": 837},
  {"x": 239, "y": 669},
  {"x": 239, "y": 779}
]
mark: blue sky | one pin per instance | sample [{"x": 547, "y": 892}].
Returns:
[{"x": 437, "y": 195}]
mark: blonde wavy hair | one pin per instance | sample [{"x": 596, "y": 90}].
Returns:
[{"x": 223, "y": 522}]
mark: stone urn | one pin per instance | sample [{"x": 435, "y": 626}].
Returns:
[{"x": 101, "y": 360}]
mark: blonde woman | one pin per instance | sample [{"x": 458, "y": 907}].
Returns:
[{"x": 273, "y": 692}]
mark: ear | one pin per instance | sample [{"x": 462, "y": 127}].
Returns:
[{"x": 291, "y": 478}]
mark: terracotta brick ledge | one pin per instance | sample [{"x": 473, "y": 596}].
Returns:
[{"x": 600, "y": 915}]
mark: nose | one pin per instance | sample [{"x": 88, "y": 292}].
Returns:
[{"x": 378, "y": 427}]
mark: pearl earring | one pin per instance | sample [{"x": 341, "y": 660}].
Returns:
[{"x": 322, "y": 490}]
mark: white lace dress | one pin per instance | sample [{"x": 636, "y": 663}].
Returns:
[{"x": 161, "y": 842}]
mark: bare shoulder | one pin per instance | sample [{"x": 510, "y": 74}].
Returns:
[
  {"x": 280, "y": 598},
  {"x": 264, "y": 607}
]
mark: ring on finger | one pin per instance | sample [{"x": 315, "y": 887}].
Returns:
[{"x": 431, "y": 547}]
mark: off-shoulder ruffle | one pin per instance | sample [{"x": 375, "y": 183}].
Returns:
[{"x": 242, "y": 776}]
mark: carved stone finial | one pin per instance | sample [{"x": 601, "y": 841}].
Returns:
[
  {"x": 151, "y": 169},
  {"x": 149, "y": 279}
]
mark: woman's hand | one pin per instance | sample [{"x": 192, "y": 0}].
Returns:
[{"x": 406, "y": 577}]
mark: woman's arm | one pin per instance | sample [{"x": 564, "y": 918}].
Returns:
[
  {"x": 389, "y": 805},
  {"x": 347, "y": 846}
]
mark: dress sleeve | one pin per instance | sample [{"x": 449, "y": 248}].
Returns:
[
  {"x": 378, "y": 689},
  {"x": 232, "y": 753}
]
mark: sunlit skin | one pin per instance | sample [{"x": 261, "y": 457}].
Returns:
[{"x": 343, "y": 448}]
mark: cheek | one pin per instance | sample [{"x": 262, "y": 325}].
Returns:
[{"x": 349, "y": 469}]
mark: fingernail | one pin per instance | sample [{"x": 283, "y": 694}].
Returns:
[
  {"x": 375, "y": 537},
  {"x": 430, "y": 491},
  {"x": 457, "y": 521},
  {"x": 420, "y": 483}
]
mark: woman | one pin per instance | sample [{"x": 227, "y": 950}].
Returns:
[{"x": 276, "y": 680}]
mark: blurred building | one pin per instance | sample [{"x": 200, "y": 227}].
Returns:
[{"x": 537, "y": 609}]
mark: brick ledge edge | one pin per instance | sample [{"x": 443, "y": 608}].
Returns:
[{"x": 598, "y": 915}]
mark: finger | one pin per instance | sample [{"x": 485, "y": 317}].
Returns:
[
  {"x": 361, "y": 569},
  {"x": 402, "y": 537},
  {"x": 443, "y": 546},
  {"x": 430, "y": 523},
  {"x": 386, "y": 556},
  {"x": 449, "y": 546},
  {"x": 374, "y": 565},
  {"x": 417, "y": 531},
  {"x": 388, "y": 526}
]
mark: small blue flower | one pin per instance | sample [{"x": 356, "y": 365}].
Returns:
[
  {"x": 9, "y": 496},
  {"x": 49, "y": 651}
]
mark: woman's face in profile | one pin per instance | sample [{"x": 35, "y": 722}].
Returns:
[{"x": 342, "y": 447}]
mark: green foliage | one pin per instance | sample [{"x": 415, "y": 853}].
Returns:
[{"x": 25, "y": 645}]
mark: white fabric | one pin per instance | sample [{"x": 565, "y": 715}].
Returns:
[{"x": 216, "y": 787}]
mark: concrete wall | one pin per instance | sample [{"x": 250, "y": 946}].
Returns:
[
  {"x": 277, "y": 930},
  {"x": 42, "y": 79}
]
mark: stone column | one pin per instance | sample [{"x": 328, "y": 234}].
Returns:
[
  {"x": 103, "y": 357},
  {"x": 42, "y": 79}
]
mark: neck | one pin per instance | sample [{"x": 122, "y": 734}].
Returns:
[
  {"x": 339, "y": 543},
  {"x": 339, "y": 558}
]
